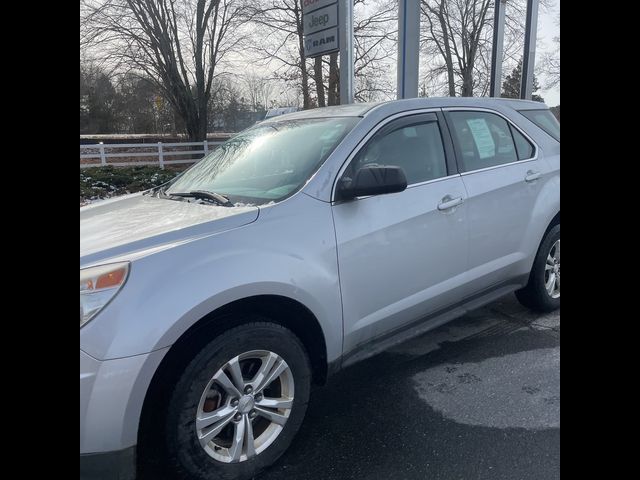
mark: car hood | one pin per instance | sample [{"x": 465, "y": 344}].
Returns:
[{"x": 136, "y": 224}]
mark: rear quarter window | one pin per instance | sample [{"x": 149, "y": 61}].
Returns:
[{"x": 545, "y": 120}]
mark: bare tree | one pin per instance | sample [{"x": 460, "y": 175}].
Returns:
[
  {"x": 281, "y": 41},
  {"x": 259, "y": 89},
  {"x": 333, "y": 91},
  {"x": 375, "y": 43},
  {"x": 458, "y": 29},
  {"x": 550, "y": 64},
  {"x": 178, "y": 44},
  {"x": 375, "y": 29},
  {"x": 319, "y": 81},
  {"x": 99, "y": 111},
  {"x": 280, "y": 38},
  {"x": 456, "y": 42},
  {"x": 434, "y": 13}
]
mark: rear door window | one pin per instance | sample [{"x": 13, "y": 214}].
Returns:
[{"x": 483, "y": 139}]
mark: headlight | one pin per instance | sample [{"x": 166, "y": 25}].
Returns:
[{"x": 98, "y": 285}]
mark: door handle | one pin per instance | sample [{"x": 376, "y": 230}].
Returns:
[
  {"x": 531, "y": 176},
  {"x": 447, "y": 202}
]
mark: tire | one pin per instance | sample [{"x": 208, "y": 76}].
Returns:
[
  {"x": 535, "y": 294},
  {"x": 188, "y": 458}
]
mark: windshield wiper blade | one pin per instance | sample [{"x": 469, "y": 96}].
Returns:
[{"x": 204, "y": 195}]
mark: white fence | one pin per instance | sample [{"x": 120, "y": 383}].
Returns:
[{"x": 134, "y": 154}]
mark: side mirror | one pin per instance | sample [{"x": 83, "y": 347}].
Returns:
[{"x": 372, "y": 180}]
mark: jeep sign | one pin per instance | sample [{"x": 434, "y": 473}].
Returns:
[{"x": 320, "y": 19}]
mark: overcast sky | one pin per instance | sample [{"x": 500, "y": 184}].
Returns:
[{"x": 547, "y": 29}]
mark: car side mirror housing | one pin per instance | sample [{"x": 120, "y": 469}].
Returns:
[{"x": 372, "y": 180}]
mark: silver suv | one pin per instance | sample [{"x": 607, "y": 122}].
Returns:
[{"x": 210, "y": 305}]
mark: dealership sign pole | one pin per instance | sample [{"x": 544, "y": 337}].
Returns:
[
  {"x": 346, "y": 51},
  {"x": 408, "y": 48},
  {"x": 526, "y": 82},
  {"x": 328, "y": 28},
  {"x": 497, "y": 48}
]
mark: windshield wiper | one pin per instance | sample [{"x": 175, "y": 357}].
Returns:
[{"x": 204, "y": 195}]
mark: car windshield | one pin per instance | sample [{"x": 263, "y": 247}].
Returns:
[{"x": 267, "y": 162}]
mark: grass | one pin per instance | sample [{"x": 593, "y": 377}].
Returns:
[{"x": 97, "y": 183}]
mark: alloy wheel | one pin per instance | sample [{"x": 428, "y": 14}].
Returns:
[
  {"x": 552, "y": 271},
  {"x": 245, "y": 406}
]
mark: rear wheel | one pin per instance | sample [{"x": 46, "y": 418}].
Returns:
[
  {"x": 238, "y": 404},
  {"x": 542, "y": 292}
]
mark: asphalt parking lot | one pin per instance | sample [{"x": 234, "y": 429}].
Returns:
[{"x": 478, "y": 398}]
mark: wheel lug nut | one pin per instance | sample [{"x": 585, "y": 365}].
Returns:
[
  {"x": 258, "y": 397},
  {"x": 237, "y": 417},
  {"x": 252, "y": 414},
  {"x": 234, "y": 402},
  {"x": 248, "y": 389}
]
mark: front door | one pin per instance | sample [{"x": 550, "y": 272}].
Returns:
[{"x": 401, "y": 256}]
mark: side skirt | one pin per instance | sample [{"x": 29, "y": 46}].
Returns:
[{"x": 424, "y": 324}]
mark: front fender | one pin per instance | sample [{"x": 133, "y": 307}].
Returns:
[
  {"x": 322, "y": 304},
  {"x": 289, "y": 251}
]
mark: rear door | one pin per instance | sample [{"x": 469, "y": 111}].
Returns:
[
  {"x": 402, "y": 255},
  {"x": 502, "y": 172}
]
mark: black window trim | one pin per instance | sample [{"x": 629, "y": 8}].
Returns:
[
  {"x": 456, "y": 147},
  {"x": 515, "y": 144},
  {"x": 450, "y": 156}
]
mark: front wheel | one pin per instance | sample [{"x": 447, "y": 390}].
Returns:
[
  {"x": 542, "y": 292},
  {"x": 238, "y": 404}
]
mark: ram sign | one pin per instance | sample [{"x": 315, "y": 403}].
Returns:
[
  {"x": 320, "y": 24},
  {"x": 321, "y": 43}
]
